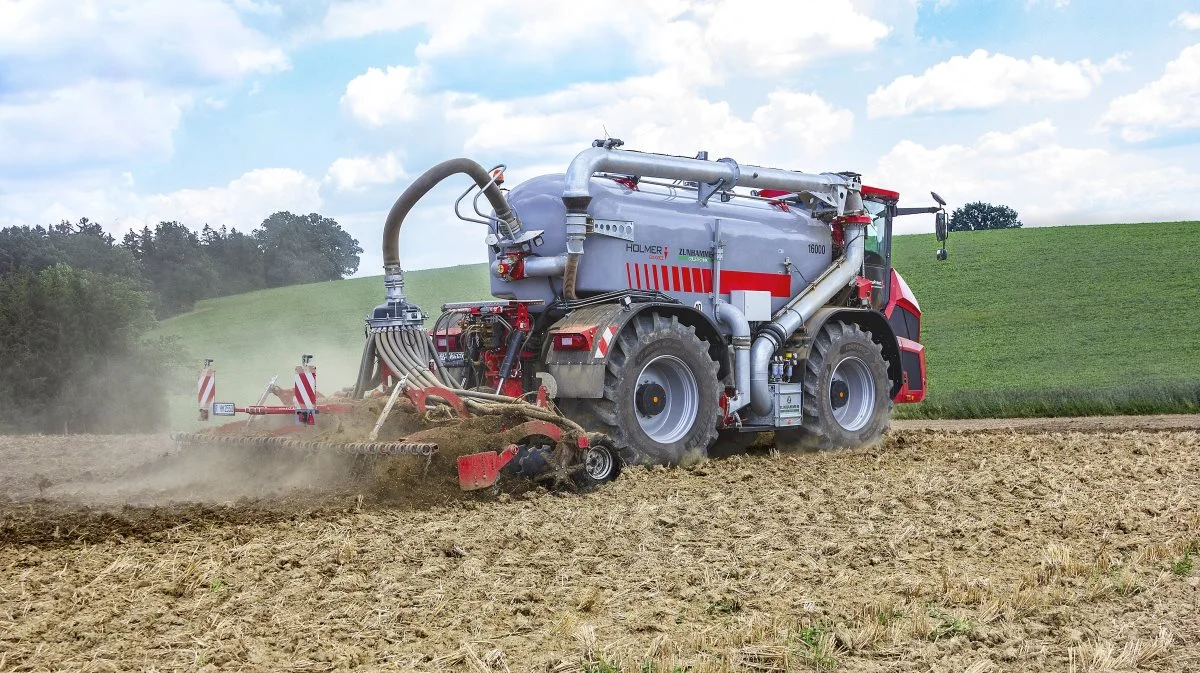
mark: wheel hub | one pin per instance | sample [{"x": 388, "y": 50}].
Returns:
[
  {"x": 852, "y": 393},
  {"x": 598, "y": 463},
  {"x": 839, "y": 394},
  {"x": 666, "y": 399},
  {"x": 651, "y": 399}
]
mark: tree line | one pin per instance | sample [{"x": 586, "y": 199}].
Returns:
[
  {"x": 179, "y": 266},
  {"x": 77, "y": 309}
]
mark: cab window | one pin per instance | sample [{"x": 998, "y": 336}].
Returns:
[{"x": 877, "y": 230}]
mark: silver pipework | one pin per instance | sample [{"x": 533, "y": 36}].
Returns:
[
  {"x": 740, "y": 328},
  {"x": 796, "y": 312},
  {"x": 597, "y": 159}
]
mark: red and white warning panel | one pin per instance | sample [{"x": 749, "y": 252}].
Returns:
[
  {"x": 206, "y": 389},
  {"x": 305, "y": 391},
  {"x": 605, "y": 339}
]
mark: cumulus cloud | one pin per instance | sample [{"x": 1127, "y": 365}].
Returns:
[
  {"x": 54, "y": 42},
  {"x": 258, "y": 7},
  {"x": 387, "y": 96},
  {"x": 1188, "y": 20},
  {"x": 1047, "y": 182},
  {"x": 982, "y": 80},
  {"x": 743, "y": 32},
  {"x": 87, "y": 123},
  {"x": 357, "y": 173},
  {"x": 1169, "y": 104},
  {"x": 243, "y": 202},
  {"x": 685, "y": 45},
  {"x": 109, "y": 80},
  {"x": 699, "y": 40},
  {"x": 657, "y": 112}
]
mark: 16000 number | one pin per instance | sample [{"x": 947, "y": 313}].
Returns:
[{"x": 816, "y": 248}]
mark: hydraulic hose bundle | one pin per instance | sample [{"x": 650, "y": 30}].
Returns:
[{"x": 409, "y": 354}]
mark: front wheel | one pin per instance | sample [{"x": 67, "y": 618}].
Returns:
[{"x": 847, "y": 401}]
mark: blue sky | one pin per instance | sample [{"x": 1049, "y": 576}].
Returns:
[{"x": 222, "y": 112}]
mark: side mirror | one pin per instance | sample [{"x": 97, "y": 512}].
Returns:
[{"x": 940, "y": 228}]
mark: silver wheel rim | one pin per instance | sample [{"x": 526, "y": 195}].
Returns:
[
  {"x": 860, "y": 394},
  {"x": 683, "y": 397},
  {"x": 598, "y": 463}
]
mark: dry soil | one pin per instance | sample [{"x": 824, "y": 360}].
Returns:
[{"x": 956, "y": 548}]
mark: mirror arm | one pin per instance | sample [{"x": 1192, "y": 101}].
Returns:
[{"x": 916, "y": 211}]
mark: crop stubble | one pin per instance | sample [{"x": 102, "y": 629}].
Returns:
[{"x": 939, "y": 550}]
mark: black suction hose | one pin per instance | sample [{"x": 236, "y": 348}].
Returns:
[{"x": 427, "y": 181}]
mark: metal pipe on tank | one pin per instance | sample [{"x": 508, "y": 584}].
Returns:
[
  {"x": 538, "y": 266},
  {"x": 740, "y": 329},
  {"x": 802, "y": 307},
  {"x": 597, "y": 159},
  {"x": 835, "y": 189},
  {"x": 718, "y": 255}
]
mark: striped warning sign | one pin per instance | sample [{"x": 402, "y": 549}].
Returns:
[
  {"x": 305, "y": 388},
  {"x": 206, "y": 387},
  {"x": 605, "y": 339}
]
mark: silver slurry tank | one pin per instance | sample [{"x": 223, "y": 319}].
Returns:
[{"x": 653, "y": 239}]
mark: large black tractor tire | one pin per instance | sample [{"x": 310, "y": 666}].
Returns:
[
  {"x": 660, "y": 403},
  {"x": 847, "y": 401}
]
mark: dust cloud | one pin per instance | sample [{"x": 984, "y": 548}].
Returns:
[{"x": 148, "y": 470}]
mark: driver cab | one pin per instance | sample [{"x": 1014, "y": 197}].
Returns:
[{"x": 880, "y": 205}]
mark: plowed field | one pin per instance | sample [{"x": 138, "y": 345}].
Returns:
[{"x": 1070, "y": 547}]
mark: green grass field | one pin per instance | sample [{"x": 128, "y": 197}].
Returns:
[
  {"x": 1046, "y": 321},
  {"x": 1059, "y": 320}
]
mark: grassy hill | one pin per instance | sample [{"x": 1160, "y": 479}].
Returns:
[
  {"x": 257, "y": 335},
  {"x": 1059, "y": 320},
  {"x": 1046, "y": 321}
]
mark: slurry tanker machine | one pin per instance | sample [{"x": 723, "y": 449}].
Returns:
[{"x": 646, "y": 308}]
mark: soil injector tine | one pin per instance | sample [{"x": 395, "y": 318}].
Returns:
[{"x": 262, "y": 398}]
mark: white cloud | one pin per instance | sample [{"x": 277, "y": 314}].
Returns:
[
  {"x": 258, "y": 7},
  {"x": 1047, "y": 182},
  {"x": 108, "y": 81},
  {"x": 1188, "y": 20},
  {"x": 1169, "y": 103},
  {"x": 982, "y": 80},
  {"x": 194, "y": 41},
  {"x": 243, "y": 202},
  {"x": 357, "y": 173},
  {"x": 657, "y": 112},
  {"x": 87, "y": 123},
  {"x": 379, "y": 97},
  {"x": 744, "y": 32},
  {"x": 701, "y": 41}
]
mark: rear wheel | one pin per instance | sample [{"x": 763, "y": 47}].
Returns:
[
  {"x": 660, "y": 394},
  {"x": 846, "y": 392}
]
